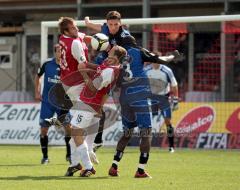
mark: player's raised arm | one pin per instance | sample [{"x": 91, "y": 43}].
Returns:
[
  {"x": 154, "y": 58},
  {"x": 91, "y": 25}
]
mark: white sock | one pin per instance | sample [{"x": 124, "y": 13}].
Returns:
[
  {"x": 142, "y": 166},
  {"x": 115, "y": 162},
  {"x": 82, "y": 151},
  {"x": 90, "y": 140},
  {"x": 75, "y": 157}
]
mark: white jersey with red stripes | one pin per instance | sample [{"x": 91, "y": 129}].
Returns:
[
  {"x": 74, "y": 51},
  {"x": 109, "y": 75}
]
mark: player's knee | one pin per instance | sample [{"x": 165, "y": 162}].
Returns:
[
  {"x": 167, "y": 121},
  {"x": 44, "y": 124},
  {"x": 145, "y": 144},
  {"x": 44, "y": 131},
  {"x": 145, "y": 132},
  {"x": 127, "y": 133},
  {"x": 146, "y": 137}
]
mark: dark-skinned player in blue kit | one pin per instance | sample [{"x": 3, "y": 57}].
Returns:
[{"x": 115, "y": 31}]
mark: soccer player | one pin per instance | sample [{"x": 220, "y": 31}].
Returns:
[
  {"x": 164, "y": 85},
  {"x": 74, "y": 55},
  {"x": 51, "y": 72},
  {"x": 115, "y": 31},
  {"x": 92, "y": 98},
  {"x": 134, "y": 101},
  {"x": 112, "y": 28}
]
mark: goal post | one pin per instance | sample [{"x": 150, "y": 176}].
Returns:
[{"x": 136, "y": 21}]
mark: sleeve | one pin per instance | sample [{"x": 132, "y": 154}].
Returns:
[
  {"x": 104, "y": 29},
  {"x": 107, "y": 78},
  {"x": 171, "y": 76},
  {"x": 148, "y": 56},
  {"x": 100, "y": 57},
  {"x": 78, "y": 52},
  {"x": 41, "y": 70}
]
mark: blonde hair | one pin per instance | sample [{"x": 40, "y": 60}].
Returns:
[{"x": 63, "y": 23}]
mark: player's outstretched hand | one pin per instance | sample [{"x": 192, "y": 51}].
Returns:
[
  {"x": 177, "y": 56},
  {"x": 175, "y": 103},
  {"x": 87, "y": 20}
]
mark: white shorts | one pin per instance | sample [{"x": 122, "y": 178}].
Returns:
[
  {"x": 73, "y": 91},
  {"x": 84, "y": 116}
]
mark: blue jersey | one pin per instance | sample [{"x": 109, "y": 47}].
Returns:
[
  {"x": 115, "y": 39},
  {"x": 51, "y": 71},
  {"x": 135, "y": 91}
]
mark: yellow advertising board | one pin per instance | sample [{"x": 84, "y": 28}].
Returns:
[{"x": 217, "y": 117}]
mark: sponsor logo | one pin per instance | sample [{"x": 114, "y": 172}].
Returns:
[
  {"x": 233, "y": 122},
  {"x": 196, "y": 120}
]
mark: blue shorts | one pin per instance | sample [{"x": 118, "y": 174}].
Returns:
[
  {"x": 136, "y": 114},
  {"x": 161, "y": 103},
  {"x": 135, "y": 105},
  {"x": 48, "y": 111}
]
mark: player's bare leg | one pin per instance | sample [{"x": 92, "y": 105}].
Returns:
[
  {"x": 145, "y": 144},
  {"x": 67, "y": 139},
  {"x": 122, "y": 143},
  {"x": 98, "y": 142}
]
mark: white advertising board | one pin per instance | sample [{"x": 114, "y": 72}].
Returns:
[{"x": 20, "y": 125}]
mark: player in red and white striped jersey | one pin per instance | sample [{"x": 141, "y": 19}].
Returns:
[
  {"x": 74, "y": 53},
  {"x": 92, "y": 98}
]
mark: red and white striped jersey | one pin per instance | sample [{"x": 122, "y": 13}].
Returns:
[
  {"x": 109, "y": 76},
  {"x": 73, "y": 52}
]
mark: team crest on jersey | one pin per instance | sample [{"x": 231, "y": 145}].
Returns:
[
  {"x": 113, "y": 42},
  {"x": 123, "y": 34},
  {"x": 82, "y": 59}
]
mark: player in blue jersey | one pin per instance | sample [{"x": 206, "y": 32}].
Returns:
[
  {"x": 164, "y": 85},
  {"x": 115, "y": 31},
  {"x": 112, "y": 28},
  {"x": 51, "y": 71},
  {"x": 135, "y": 99}
]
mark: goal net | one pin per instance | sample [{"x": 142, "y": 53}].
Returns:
[{"x": 210, "y": 45}]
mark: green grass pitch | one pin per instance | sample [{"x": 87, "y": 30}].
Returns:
[{"x": 20, "y": 169}]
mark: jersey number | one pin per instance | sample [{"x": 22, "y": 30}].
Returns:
[
  {"x": 63, "y": 61},
  {"x": 128, "y": 72},
  {"x": 79, "y": 118}
]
